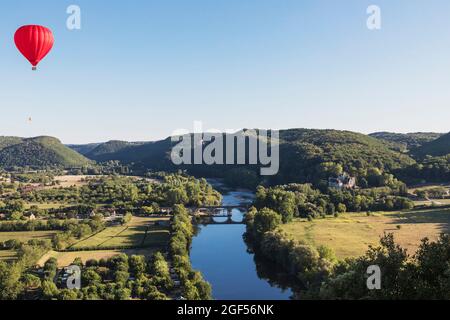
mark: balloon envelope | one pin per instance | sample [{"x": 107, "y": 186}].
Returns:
[{"x": 34, "y": 42}]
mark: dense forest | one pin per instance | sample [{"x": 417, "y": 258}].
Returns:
[
  {"x": 406, "y": 141},
  {"x": 306, "y": 156},
  {"x": 38, "y": 152}
]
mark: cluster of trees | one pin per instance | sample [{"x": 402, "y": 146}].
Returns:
[
  {"x": 308, "y": 265},
  {"x": 302, "y": 200},
  {"x": 424, "y": 276},
  {"x": 319, "y": 275},
  {"x": 140, "y": 196},
  {"x": 47, "y": 225},
  {"x": 430, "y": 169},
  {"x": 105, "y": 168},
  {"x": 75, "y": 230},
  {"x": 130, "y": 192},
  {"x": 185, "y": 190},
  {"x": 193, "y": 284},
  {"x": 44, "y": 177},
  {"x": 432, "y": 193},
  {"x": 16, "y": 279},
  {"x": 7, "y": 187},
  {"x": 118, "y": 278}
]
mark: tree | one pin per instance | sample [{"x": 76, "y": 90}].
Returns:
[
  {"x": 138, "y": 265},
  {"x": 121, "y": 277},
  {"x": 266, "y": 220},
  {"x": 68, "y": 295},
  {"x": 123, "y": 294},
  {"x": 50, "y": 269},
  {"x": 90, "y": 277},
  {"x": 31, "y": 281},
  {"x": 127, "y": 218},
  {"x": 10, "y": 285},
  {"x": 49, "y": 289}
]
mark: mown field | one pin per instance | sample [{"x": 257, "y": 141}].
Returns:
[
  {"x": 433, "y": 202},
  {"x": 7, "y": 255},
  {"x": 352, "y": 233},
  {"x": 139, "y": 232},
  {"x": 66, "y": 258},
  {"x": 45, "y": 206},
  {"x": 26, "y": 235}
]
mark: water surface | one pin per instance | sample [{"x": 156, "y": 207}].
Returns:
[{"x": 220, "y": 253}]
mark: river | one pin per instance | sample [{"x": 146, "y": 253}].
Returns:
[{"x": 220, "y": 253}]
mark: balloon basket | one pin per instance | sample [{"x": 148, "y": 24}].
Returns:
[{"x": 34, "y": 68}]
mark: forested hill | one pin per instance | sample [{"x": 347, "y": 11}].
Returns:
[
  {"x": 312, "y": 155},
  {"x": 38, "y": 152},
  {"x": 104, "y": 151},
  {"x": 436, "y": 148},
  {"x": 306, "y": 156},
  {"x": 406, "y": 141},
  {"x": 83, "y": 148}
]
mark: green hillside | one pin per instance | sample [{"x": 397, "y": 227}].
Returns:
[
  {"x": 105, "y": 151},
  {"x": 9, "y": 141},
  {"x": 38, "y": 152},
  {"x": 83, "y": 148},
  {"x": 436, "y": 148},
  {"x": 406, "y": 141},
  {"x": 304, "y": 156}
]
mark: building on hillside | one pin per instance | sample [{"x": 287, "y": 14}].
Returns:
[{"x": 344, "y": 181}]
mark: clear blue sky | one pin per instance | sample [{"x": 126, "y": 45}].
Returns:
[{"x": 138, "y": 70}]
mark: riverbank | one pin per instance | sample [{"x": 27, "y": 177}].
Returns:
[{"x": 221, "y": 254}]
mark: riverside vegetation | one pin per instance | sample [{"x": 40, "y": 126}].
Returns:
[
  {"x": 122, "y": 193},
  {"x": 163, "y": 273}
]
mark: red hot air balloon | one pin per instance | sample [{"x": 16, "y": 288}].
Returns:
[{"x": 34, "y": 42}]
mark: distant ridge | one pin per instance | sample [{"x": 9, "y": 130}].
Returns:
[
  {"x": 104, "y": 151},
  {"x": 38, "y": 152},
  {"x": 302, "y": 151},
  {"x": 438, "y": 147},
  {"x": 406, "y": 141}
]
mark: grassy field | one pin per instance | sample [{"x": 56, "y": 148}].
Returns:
[
  {"x": 352, "y": 233},
  {"x": 428, "y": 187},
  {"x": 66, "y": 258},
  {"x": 26, "y": 235},
  {"x": 436, "y": 202},
  {"x": 45, "y": 205},
  {"x": 7, "y": 255},
  {"x": 140, "y": 231},
  {"x": 70, "y": 181}
]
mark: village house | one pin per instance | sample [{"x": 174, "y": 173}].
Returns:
[{"x": 344, "y": 181}]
